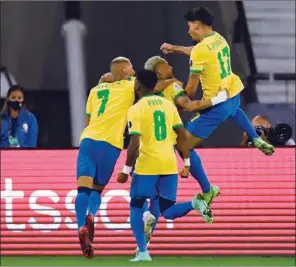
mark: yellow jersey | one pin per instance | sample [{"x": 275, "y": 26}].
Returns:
[
  {"x": 107, "y": 106},
  {"x": 172, "y": 92},
  {"x": 154, "y": 119},
  {"x": 211, "y": 58}
]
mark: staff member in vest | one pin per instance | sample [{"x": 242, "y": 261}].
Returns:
[{"x": 19, "y": 127}]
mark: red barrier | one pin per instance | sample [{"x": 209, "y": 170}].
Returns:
[{"x": 255, "y": 213}]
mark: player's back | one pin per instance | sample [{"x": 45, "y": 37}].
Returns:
[
  {"x": 157, "y": 119},
  {"x": 107, "y": 107},
  {"x": 211, "y": 57}
]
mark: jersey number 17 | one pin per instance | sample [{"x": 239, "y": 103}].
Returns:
[{"x": 224, "y": 55}]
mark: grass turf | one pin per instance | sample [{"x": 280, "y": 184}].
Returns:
[{"x": 157, "y": 261}]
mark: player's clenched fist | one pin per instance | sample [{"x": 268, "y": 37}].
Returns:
[
  {"x": 185, "y": 172},
  {"x": 122, "y": 178},
  {"x": 167, "y": 48}
]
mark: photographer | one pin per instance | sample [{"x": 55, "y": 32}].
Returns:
[
  {"x": 19, "y": 127},
  {"x": 280, "y": 135}
]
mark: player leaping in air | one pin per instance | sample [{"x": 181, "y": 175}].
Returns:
[
  {"x": 210, "y": 63},
  {"x": 100, "y": 146},
  {"x": 153, "y": 123}
]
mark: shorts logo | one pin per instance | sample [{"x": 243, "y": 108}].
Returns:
[
  {"x": 197, "y": 115},
  {"x": 129, "y": 124}
]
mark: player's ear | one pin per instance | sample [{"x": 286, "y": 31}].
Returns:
[
  {"x": 159, "y": 73},
  {"x": 124, "y": 71}
]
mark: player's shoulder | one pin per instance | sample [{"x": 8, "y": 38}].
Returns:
[
  {"x": 128, "y": 84},
  {"x": 167, "y": 103},
  {"x": 199, "y": 48},
  {"x": 93, "y": 90},
  {"x": 136, "y": 107},
  {"x": 129, "y": 80}
]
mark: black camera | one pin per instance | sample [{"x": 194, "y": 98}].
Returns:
[
  {"x": 281, "y": 134},
  {"x": 277, "y": 136}
]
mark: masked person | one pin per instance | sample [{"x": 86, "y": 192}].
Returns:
[{"x": 19, "y": 127}]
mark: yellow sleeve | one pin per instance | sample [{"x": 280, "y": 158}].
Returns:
[
  {"x": 88, "y": 104},
  {"x": 133, "y": 123},
  {"x": 177, "y": 122},
  {"x": 177, "y": 90},
  {"x": 198, "y": 59}
]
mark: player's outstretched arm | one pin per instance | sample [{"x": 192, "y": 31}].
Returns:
[
  {"x": 184, "y": 102},
  {"x": 169, "y": 48},
  {"x": 132, "y": 152}
]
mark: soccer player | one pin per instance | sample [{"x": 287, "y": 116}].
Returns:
[
  {"x": 210, "y": 63},
  {"x": 100, "y": 146},
  {"x": 174, "y": 91},
  {"x": 176, "y": 94},
  {"x": 152, "y": 123}
]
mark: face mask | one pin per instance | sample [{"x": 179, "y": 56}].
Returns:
[{"x": 15, "y": 105}]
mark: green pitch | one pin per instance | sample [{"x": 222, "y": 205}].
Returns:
[{"x": 157, "y": 261}]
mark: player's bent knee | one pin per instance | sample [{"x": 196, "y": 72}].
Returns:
[
  {"x": 99, "y": 188},
  {"x": 165, "y": 204},
  {"x": 85, "y": 190},
  {"x": 137, "y": 203},
  {"x": 85, "y": 181},
  {"x": 193, "y": 141}
]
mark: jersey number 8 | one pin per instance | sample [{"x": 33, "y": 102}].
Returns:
[{"x": 160, "y": 129}]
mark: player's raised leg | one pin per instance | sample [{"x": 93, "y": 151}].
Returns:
[
  {"x": 244, "y": 123},
  {"x": 106, "y": 158},
  {"x": 200, "y": 128},
  {"x": 85, "y": 174},
  {"x": 209, "y": 191},
  {"x": 171, "y": 210}
]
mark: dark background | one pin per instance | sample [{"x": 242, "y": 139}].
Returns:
[{"x": 33, "y": 49}]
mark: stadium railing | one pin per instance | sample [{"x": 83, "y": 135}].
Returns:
[{"x": 242, "y": 32}]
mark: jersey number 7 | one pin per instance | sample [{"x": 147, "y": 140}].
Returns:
[
  {"x": 104, "y": 95},
  {"x": 222, "y": 55}
]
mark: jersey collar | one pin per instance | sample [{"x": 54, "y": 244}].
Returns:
[
  {"x": 211, "y": 34},
  {"x": 148, "y": 95}
]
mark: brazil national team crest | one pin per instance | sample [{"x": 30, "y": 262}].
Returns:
[
  {"x": 177, "y": 87},
  {"x": 129, "y": 124}
]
